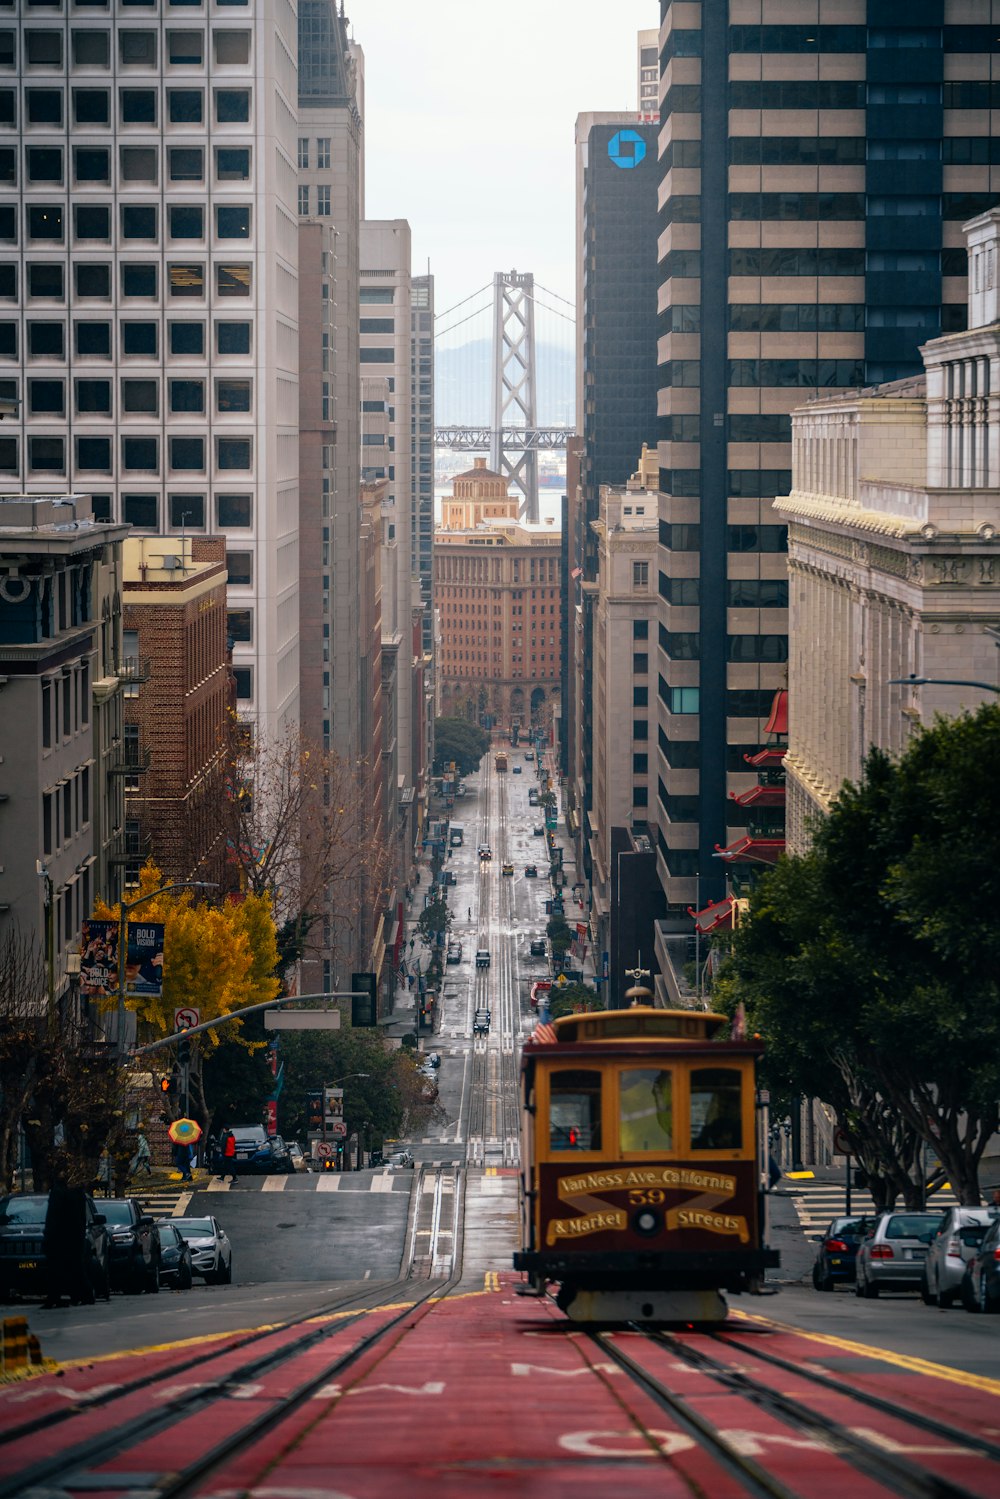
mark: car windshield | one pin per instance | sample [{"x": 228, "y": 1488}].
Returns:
[
  {"x": 912, "y": 1226},
  {"x": 195, "y": 1228},
  {"x": 23, "y": 1209},
  {"x": 254, "y": 1136},
  {"x": 116, "y": 1212},
  {"x": 168, "y": 1235}
]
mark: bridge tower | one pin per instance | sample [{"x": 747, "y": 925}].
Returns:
[{"x": 514, "y": 385}]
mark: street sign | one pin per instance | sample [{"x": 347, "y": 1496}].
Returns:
[
  {"x": 327, "y": 1019},
  {"x": 186, "y": 1018},
  {"x": 324, "y": 1150},
  {"x": 337, "y": 1128},
  {"x": 841, "y": 1144}
]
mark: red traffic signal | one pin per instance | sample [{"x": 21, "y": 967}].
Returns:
[{"x": 166, "y": 1085}]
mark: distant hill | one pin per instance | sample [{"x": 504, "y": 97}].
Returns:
[{"x": 463, "y": 376}]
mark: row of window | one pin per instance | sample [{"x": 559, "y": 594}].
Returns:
[
  {"x": 185, "y": 511},
  {"x": 91, "y": 48},
  {"x": 92, "y": 340},
  {"x": 741, "y": 427},
  {"x": 66, "y": 810},
  {"x": 317, "y": 151},
  {"x": 47, "y": 397},
  {"x": 686, "y": 646},
  {"x": 315, "y": 200},
  {"x": 741, "y": 483},
  {"x": 745, "y": 702},
  {"x": 685, "y": 754},
  {"x": 741, "y": 593},
  {"x": 65, "y": 705},
  {"x": 47, "y": 223},
  {"x": 91, "y": 107},
  {"x": 46, "y": 280},
  {"x": 57, "y": 5},
  {"x": 47, "y": 455},
  {"x": 135, "y": 164},
  {"x": 687, "y": 538},
  {"x": 838, "y": 150}
]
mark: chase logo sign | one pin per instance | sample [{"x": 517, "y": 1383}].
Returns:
[{"x": 626, "y": 149}]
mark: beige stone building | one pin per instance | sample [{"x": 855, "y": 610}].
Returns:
[
  {"x": 497, "y": 593},
  {"x": 894, "y": 551}
]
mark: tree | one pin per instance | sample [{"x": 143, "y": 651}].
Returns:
[
  {"x": 383, "y": 1103},
  {"x": 458, "y": 741},
  {"x": 435, "y": 918},
  {"x": 568, "y": 999},
  {"x": 560, "y": 935},
  {"x": 875, "y": 958}
]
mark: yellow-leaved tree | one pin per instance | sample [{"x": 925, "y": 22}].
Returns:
[{"x": 216, "y": 959}]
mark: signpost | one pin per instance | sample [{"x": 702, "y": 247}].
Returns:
[
  {"x": 186, "y": 1017},
  {"x": 842, "y": 1146}
]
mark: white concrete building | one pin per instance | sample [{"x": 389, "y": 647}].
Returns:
[
  {"x": 894, "y": 551},
  {"x": 148, "y": 297}
]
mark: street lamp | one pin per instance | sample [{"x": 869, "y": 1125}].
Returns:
[
  {"x": 125, "y": 908},
  {"x": 915, "y": 681}
]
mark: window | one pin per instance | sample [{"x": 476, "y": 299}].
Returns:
[
  {"x": 186, "y": 221},
  {"x": 187, "y": 510},
  {"x": 186, "y": 163},
  {"x": 138, "y": 280},
  {"x": 93, "y": 340},
  {"x": 46, "y": 340},
  {"x": 232, "y": 106},
  {"x": 645, "y": 1110},
  {"x": 8, "y": 112},
  {"x": 232, "y": 48},
  {"x": 234, "y": 511},
  {"x": 186, "y": 280},
  {"x": 8, "y": 455},
  {"x": 232, "y": 163},
  {"x": 232, "y": 338},
  {"x": 139, "y": 164},
  {"x": 640, "y": 697},
  {"x": 8, "y": 281},
  {"x": 92, "y": 280},
  {"x": 239, "y": 624},
  {"x": 683, "y": 699},
  {"x": 140, "y": 455},
  {"x": 44, "y": 106},
  {"x": 186, "y": 48},
  {"x": 303, "y": 199},
  {"x": 232, "y": 395},
  {"x": 232, "y": 221},
  {"x": 757, "y": 593},
  {"x": 93, "y": 397},
  {"x": 91, "y": 106},
  {"x": 137, "y": 106},
  {"x": 141, "y": 395},
  {"x": 574, "y": 1110},
  {"x": 187, "y": 395},
  {"x": 47, "y": 397},
  {"x": 137, "y": 48},
  {"x": 46, "y": 280},
  {"x": 8, "y": 166},
  {"x": 376, "y": 294},
  {"x": 244, "y": 682},
  {"x": 140, "y": 338},
  {"x": 640, "y": 662},
  {"x": 716, "y": 1109},
  {"x": 138, "y": 221},
  {"x": 323, "y": 202},
  {"x": 44, "y": 164},
  {"x": 47, "y": 455},
  {"x": 233, "y": 452},
  {"x": 93, "y": 455},
  {"x": 376, "y": 356},
  {"x": 187, "y": 453},
  {"x": 240, "y": 566},
  {"x": 185, "y": 106},
  {"x": 187, "y": 338},
  {"x": 141, "y": 510},
  {"x": 640, "y": 574},
  {"x": 92, "y": 221},
  {"x": 92, "y": 164},
  {"x": 303, "y": 152},
  {"x": 45, "y": 221},
  {"x": 232, "y": 280},
  {"x": 378, "y": 325},
  {"x": 90, "y": 49}
]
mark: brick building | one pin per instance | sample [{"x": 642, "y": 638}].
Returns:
[{"x": 178, "y": 696}]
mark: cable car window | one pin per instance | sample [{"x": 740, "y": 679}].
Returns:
[
  {"x": 645, "y": 1109},
  {"x": 575, "y": 1110},
  {"x": 716, "y": 1115}
]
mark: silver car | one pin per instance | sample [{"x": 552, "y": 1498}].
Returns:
[
  {"x": 960, "y": 1233},
  {"x": 892, "y": 1257},
  {"x": 211, "y": 1251}
]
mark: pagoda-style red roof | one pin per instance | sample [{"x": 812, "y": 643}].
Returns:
[
  {"x": 778, "y": 721},
  {"x": 750, "y": 850},
  {"x": 766, "y": 759},
  {"x": 760, "y": 796},
  {"x": 718, "y": 913}
]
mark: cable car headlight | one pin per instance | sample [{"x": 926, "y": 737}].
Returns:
[{"x": 647, "y": 1221}]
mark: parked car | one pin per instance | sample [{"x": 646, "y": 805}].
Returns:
[
  {"x": 507, "y": 867},
  {"x": 22, "y": 1247},
  {"x": 176, "y": 1268},
  {"x": 482, "y": 957},
  {"x": 891, "y": 1257},
  {"x": 454, "y": 952},
  {"x": 135, "y": 1246},
  {"x": 981, "y": 1281},
  {"x": 448, "y": 877},
  {"x": 538, "y": 947},
  {"x": 433, "y": 1059},
  {"x": 299, "y": 1159},
  {"x": 258, "y": 1153},
  {"x": 960, "y": 1233},
  {"x": 838, "y": 1250},
  {"x": 517, "y": 770},
  {"x": 400, "y": 1160},
  {"x": 481, "y": 1023},
  {"x": 531, "y": 871},
  {"x": 211, "y": 1251}
]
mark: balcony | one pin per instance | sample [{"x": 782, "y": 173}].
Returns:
[
  {"x": 129, "y": 760},
  {"x": 133, "y": 848},
  {"x": 132, "y": 672}
]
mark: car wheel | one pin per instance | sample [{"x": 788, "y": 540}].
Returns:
[
  {"x": 986, "y": 1302},
  {"x": 226, "y": 1273},
  {"x": 185, "y": 1280},
  {"x": 869, "y": 1290},
  {"x": 927, "y": 1296},
  {"x": 945, "y": 1299},
  {"x": 152, "y": 1283},
  {"x": 969, "y": 1300}
]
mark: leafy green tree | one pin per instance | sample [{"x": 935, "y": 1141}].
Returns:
[
  {"x": 566, "y": 999},
  {"x": 434, "y": 918},
  {"x": 382, "y": 1088},
  {"x": 559, "y": 933},
  {"x": 455, "y": 739},
  {"x": 875, "y": 959}
]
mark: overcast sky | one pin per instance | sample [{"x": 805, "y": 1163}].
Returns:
[{"x": 470, "y": 111}]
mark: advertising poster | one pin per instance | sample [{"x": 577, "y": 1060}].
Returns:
[
  {"x": 144, "y": 960},
  {"x": 99, "y": 959}
]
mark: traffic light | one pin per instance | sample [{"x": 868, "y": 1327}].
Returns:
[
  {"x": 167, "y": 1085},
  {"x": 329, "y": 1164},
  {"x": 184, "y": 1051}
]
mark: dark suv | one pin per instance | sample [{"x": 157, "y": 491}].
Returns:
[
  {"x": 257, "y": 1152},
  {"x": 22, "y": 1247},
  {"x": 135, "y": 1246},
  {"x": 839, "y": 1251}
]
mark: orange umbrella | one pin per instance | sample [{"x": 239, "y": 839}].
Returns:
[{"x": 184, "y": 1131}]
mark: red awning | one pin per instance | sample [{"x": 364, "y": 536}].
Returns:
[
  {"x": 748, "y": 850},
  {"x": 760, "y": 796},
  {"x": 716, "y": 914},
  {"x": 766, "y": 759},
  {"x": 778, "y": 721}
]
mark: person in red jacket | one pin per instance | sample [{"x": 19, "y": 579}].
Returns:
[{"x": 228, "y": 1155}]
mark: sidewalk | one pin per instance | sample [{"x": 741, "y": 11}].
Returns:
[{"x": 576, "y": 910}]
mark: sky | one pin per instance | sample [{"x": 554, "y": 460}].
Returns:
[{"x": 470, "y": 109}]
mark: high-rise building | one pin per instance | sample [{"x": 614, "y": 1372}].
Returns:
[
  {"x": 148, "y": 308},
  {"x": 648, "y": 83},
  {"x": 616, "y": 182},
  {"x": 815, "y": 173},
  {"x": 422, "y": 454}
]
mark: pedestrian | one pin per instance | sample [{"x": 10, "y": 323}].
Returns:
[
  {"x": 995, "y": 1199},
  {"x": 470, "y": 913},
  {"x": 142, "y": 1160},
  {"x": 104, "y": 1171},
  {"x": 64, "y": 1247},
  {"x": 182, "y": 1160},
  {"x": 228, "y": 1156}
]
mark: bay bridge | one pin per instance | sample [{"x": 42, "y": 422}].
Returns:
[{"x": 511, "y": 432}]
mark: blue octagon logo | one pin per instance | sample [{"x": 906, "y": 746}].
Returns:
[{"x": 626, "y": 149}]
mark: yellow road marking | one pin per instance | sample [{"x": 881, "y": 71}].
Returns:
[
  {"x": 798, "y": 1176},
  {"x": 883, "y": 1355},
  {"x": 491, "y": 1281}
]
